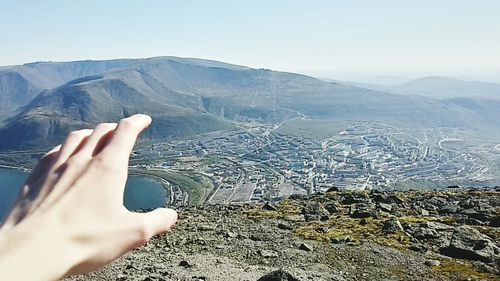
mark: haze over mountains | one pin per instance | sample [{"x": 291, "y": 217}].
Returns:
[{"x": 41, "y": 102}]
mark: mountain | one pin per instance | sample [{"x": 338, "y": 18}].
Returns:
[
  {"x": 192, "y": 96},
  {"x": 489, "y": 108},
  {"x": 20, "y": 84},
  {"x": 443, "y": 88}
]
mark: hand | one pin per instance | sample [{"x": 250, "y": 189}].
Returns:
[{"x": 70, "y": 217}]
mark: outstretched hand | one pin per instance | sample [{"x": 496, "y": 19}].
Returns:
[{"x": 70, "y": 218}]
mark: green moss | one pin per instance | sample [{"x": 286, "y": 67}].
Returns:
[
  {"x": 461, "y": 270},
  {"x": 258, "y": 214},
  {"x": 287, "y": 207},
  {"x": 419, "y": 220}
]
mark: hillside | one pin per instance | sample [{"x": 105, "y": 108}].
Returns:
[
  {"x": 192, "y": 96},
  {"x": 445, "y": 88},
  {"x": 340, "y": 236}
]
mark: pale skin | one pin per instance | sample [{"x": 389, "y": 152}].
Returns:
[{"x": 70, "y": 218}]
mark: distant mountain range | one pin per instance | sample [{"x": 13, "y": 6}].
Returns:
[
  {"x": 435, "y": 87},
  {"x": 41, "y": 102},
  {"x": 443, "y": 88}
]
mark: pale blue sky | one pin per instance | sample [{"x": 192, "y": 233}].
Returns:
[{"x": 326, "y": 38}]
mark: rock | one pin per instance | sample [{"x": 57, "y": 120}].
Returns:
[
  {"x": 432, "y": 263},
  {"x": 278, "y": 275},
  {"x": 306, "y": 247},
  {"x": 424, "y": 233},
  {"x": 268, "y": 254},
  {"x": 468, "y": 243},
  {"x": 438, "y": 226},
  {"x": 269, "y": 207},
  {"x": 380, "y": 198},
  {"x": 495, "y": 221},
  {"x": 285, "y": 226},
  {"x": 448, "y": 209},
  {"x": 231, "y": 234},
  {"x": 185, "y": 264},
  {"x": 258, "y": 237},
  {"x": 392, "y": 226},
  {"x": 360, "y": 211},
  {"x": 480, "y": 216},
  {"x": 385, "y": 207},
  {"x": 360, "y": 214},
  {"x": 345, "y": 239},
  {"x": 355, "y": 198},
  {"x": 424, "y": 212},
  {"x": 314, "y": 211},
  {"x": 332, "y": 208},
  {"x": 394, "y": 199},
  {"x": 333, "y": 189}
]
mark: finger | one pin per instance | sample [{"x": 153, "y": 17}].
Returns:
[
  {"x": 44, "y": 165},
  {"x": 31, "y": 188},
  {"x": 155, "y": 222},
  {"x": 95, "y": 141},
  {"x": 122, "y": 142},
  {"x": 72, "y": 144}
]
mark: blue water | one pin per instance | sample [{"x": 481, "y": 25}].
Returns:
[{"x": 139, "y": 193}]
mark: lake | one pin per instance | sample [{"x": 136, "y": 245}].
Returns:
[{"x": 140, "y": 192}]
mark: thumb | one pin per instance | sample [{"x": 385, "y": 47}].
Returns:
[{"x": 156, "y": 222}]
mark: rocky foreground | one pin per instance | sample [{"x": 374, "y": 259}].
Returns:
[{"x": 434, "y": 235}]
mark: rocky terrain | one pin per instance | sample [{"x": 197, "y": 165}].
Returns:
[{"x": 414, "y": 235}]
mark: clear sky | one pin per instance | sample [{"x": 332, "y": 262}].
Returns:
[{"x": 326, "y": 38}]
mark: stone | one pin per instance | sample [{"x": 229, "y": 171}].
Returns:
[
  {"x": 268, "y": 254},
  {"x": 392, "y": 226},
  {"x": 185, "y": 264},
  {"x": 285, "y": 226},
  {"x": 424, "y": 212},
  {"x": 468, "y": 243},
  {"x": 480, "y": 216},
  {"x": 314, "y": 211},
  {"x": 231, "y": 234},
  {"x": 269, "y": 207},
  {"x": 424, "y": 233},
  {"x": 438, "y": 226},
  {"x": 432, "y": 263},
  {"x": 333, "y": 189},
  {"x": 385, "y": 207},
  {"x": 345, "y": 239},
  {"x": 448, "y": 209},
  {"x": 394, "y": 199},
  {"x": 495, "y": 221},
  {"x": 306, "y": 247},
  {"x": 360, "y": 214},
  {"x": 332, "y": 208},
  {"x": 278, "y": 275},
  {"x": 355, "y": 198}
]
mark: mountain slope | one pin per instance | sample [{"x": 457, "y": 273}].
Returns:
[
  {"x": 191, "y": 96},
  {"x": 20, "y": 84},
  {"x": 50, "y": 116},
  {"x": 443, "y": 87}
]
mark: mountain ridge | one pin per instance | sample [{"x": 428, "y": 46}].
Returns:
[{"x": 192, "y": 96}]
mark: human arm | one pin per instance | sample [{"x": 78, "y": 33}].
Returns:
[{"x": 70, "y": 218}]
